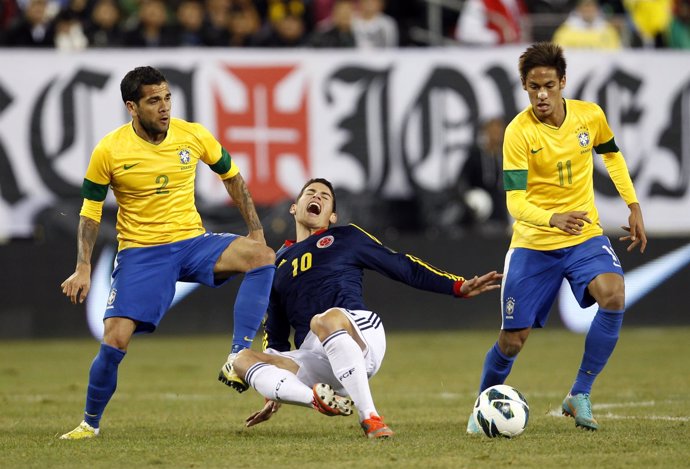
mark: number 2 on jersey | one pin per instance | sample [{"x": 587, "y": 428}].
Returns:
[
  {"x": 162, "y": 179},
  {"x": 302, "y": 264}
]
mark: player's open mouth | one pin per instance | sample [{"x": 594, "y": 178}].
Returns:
[{"x": 314, "y": 208}]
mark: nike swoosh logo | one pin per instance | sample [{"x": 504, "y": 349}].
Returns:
[
  {"x": 247, "y": 339},
  {"x": 638, "y": 283},
  {"x": 130, "y": 166},
  {"x": 534, "y": 152}
]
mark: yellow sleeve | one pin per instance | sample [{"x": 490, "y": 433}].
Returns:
[
  {"x": 618, "y": 171},
  {"x": 92, "y": 209},
  {"x": 520, "y": 209},
  {"x": 215, "y": 155}
]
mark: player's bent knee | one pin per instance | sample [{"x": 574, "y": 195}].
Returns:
[{"x": 328, "y": 322}]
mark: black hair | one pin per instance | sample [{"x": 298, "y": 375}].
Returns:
[
  {"x": 542, "y": 54},
  {"x": 323, "y": 181},
  {"x": 130, "y": 86}
]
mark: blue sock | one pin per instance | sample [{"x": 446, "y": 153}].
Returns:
[
  {"x": 102, "y": 382},
  {"x": 250, "y": 305},
  {"x": 496, "y": 368},
  {"x": 599, "y": 344}
]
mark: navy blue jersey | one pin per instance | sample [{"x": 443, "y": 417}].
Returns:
[{"x": 326, "y": 270}]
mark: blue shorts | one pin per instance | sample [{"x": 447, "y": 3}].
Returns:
[
  {"x": 531, "y": 279},
  {"x": 143, "y": 283}
]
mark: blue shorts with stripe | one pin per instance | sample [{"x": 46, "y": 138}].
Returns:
[
  {"x": 532, "y": 279},
  {"x": 143, "y": 282}
]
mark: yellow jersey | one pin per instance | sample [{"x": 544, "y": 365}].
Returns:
[
  {"x": 549, "y": 170},
  {"x": 153, "y": 184}
]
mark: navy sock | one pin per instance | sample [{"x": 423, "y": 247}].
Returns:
[
  {"x": 599, "y": 344},
  {"x": 102, "y": 382},
  {"x": 496, "y": 368},
  {"x": 250, "y": 305}
]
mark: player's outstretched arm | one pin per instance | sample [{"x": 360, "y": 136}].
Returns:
[
  {"x": 638, "y": 235},
  {"x": 77, "y": 285},
  {"x": 270, "y": 408},
  {"x": 478, "y": 285},
  {"x": 237, "y": 189}
]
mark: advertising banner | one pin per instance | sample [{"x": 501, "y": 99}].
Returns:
[{"x": 393, "y": 124}]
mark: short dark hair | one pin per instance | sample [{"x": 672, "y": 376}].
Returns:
[
  {"x": 130, "y": 86},
  {"x": 542, "y": 54},
  {"x": 323, "y": 181}
]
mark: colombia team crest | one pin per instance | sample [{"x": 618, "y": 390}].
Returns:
[{"x": 325, "y": 242}]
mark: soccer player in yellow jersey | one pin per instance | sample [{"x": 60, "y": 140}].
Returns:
[
  {"x": 150, "y": 163},
  {"x": 548, "y": 163}
]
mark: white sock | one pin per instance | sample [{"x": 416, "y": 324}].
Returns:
[
  {"x": 279, "y": 385},
  {"x": 347, "y": 361}
]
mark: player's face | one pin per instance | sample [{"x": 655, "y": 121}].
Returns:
[
  {"x": 544, "y": 89},
  {"x": 152, "y": 111},
  {"x": 314, "y": 208}
]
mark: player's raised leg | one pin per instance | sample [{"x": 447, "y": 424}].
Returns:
[{"x": 256, "y": 260}]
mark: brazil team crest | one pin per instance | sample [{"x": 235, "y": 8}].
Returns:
[
  {"x": 510, "y": 308},
  {"x": 583, "y": 138},
  {"x": 185, "y": 156},
  {"x": 111, "y": 297},
  {"x": 325, "y": 242}
]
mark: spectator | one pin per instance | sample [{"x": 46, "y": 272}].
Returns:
[
  {"x": 338, "y": 31},
  {"x": 284, "y": 32},
  {"x": 8, "y": 12},
  {"x": 189, "y": 30},
  {"x": 104, "y": 28},
  {"x": 244, "y": 23},
  {"x": 152, "y": 28},
  {"x": 492, "y": 22},
  {"x": 586, "y": 28},
  {"x": 650, "y": 20},
  {"x": 679, "y": 30},
  {"x": 32, "y": 28},
  {"x": 481, "y": 180},
  {"x": 274, "y": 10},
  {"x": 372, "y": 27},
  {"x": 217, "y": 22},
  {"x": 69, "y": 33}
]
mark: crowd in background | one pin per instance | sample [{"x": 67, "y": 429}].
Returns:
[{"x": 80, "y": 24}]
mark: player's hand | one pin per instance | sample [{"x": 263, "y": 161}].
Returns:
[
  {"x": 478, "y": 285},
  {"x": 637, "y": 235},
  {"x": 570, "y": 222},
  {"x": 270, "y": 408},
  {"x": 77, "y": 285}
]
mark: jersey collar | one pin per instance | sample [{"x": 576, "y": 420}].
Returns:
[{"x": 290, "y": 242}]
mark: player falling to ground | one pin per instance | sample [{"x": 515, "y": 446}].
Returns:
[
  {"x": 548, "y": 171},
  {"x": 150, "y": 163},
  {"x": 317, "y": 291}
]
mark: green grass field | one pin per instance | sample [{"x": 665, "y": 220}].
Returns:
[{"x": 169, "y": 410}]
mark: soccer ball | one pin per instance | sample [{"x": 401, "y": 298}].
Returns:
[{"x": 501, "y": 410}]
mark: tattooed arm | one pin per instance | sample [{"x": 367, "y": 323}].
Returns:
[
  {"x": 239, "y": 192},
  {"x": 77, "y": 286}
]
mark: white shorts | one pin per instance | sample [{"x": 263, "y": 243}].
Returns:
[{"x": 311, "y": 357}]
